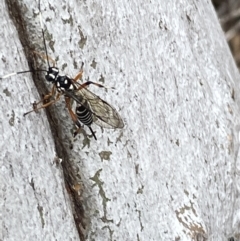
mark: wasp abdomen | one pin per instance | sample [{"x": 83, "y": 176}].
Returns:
[{"x": 84, "y": 115}]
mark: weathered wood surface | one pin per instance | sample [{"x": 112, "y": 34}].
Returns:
[{"x": 172, "y": 173}]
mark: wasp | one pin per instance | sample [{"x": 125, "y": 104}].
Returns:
[{"x": 89, "y": 107}]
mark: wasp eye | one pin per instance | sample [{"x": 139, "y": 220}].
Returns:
[{"x": 49, "y": 77}]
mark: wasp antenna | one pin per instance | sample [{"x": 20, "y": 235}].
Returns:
[
  {"x": 8, "y": 75},
  {"x": 22, "y": 72},
  {"x": 41, "y": 24}
]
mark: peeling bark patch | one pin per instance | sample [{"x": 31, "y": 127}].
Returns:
[
  {"x": 120, "y": 136},
  {"x": 64, "y": 66},
  {"x": 75, "y": 64},
  {"x": 105, "y": 155},
  {"x": 86, "y": 140},
  {"x": 4, "y": 59},
  {"x": 102, "y": 79},
  {"x": 187, "y": 217},
  {"x": 140, "y": 190},
  {"x": 93, "y": 64},
  {"x": 68, "y": 21},
  {"x": 236, "y": 237},
  {"x": 186, "y": 192},
  {"x": 102, "y": 194},
  {"x": 7, "y": 92},
  {"x": 49, "y": 38},
  {"x": 51, "y": 45},
  {"x": 48, "y": 20},
  {"x": 177, "y": 142},
  {"x": 109, "y": 142},
  {"x": 40, "y": 210},
  {"x": 83, "y": 40},
  {"x": 12, "y": 119}
]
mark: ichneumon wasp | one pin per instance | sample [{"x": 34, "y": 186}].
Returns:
[{"x": 89, "y": 107}]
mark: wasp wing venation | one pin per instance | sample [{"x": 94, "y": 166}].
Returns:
[
  {"x": 104, "y": 114},
  {"x": 103, "y": 111}
]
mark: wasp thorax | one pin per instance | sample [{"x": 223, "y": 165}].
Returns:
[
  {"x": 64, "y": 83},
  {"x": 52, "y": 74}
]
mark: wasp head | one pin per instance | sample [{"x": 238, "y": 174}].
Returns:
[{"x": 52, "y": 74}]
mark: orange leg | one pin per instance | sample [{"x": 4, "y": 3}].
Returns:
[
  {"x": 45, "y": 98},
  {"x": 35, "y": 108},
  {"x": 73, "y": 116},
  {"x": 79, "y": 75},
  {"x": 84, "y": 85}
]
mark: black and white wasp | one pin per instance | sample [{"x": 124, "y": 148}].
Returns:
[
  {"x": 88, "y": 107},
  {"x": 91, "y": 108}
]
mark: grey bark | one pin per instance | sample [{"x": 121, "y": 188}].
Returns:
[{"x": 172, "y": 173}]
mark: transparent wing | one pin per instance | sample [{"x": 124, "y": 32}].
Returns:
[{"x": 104, "y": 114}]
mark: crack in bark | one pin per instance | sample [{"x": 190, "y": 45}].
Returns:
[{"x": 15, "y": 10}]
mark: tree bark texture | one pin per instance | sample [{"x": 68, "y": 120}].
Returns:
[{"x": 172, "y": 173}]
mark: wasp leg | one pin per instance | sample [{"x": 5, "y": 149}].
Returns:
[
  {"x": 84, "y": 85},
  {"x": 35, "y": 108},
  {"x": 73, "y": 115},
  {"x": 79, "y": 75},
  {"x": 45, "y": 100},
  {"x": 46, "y": 97}
]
